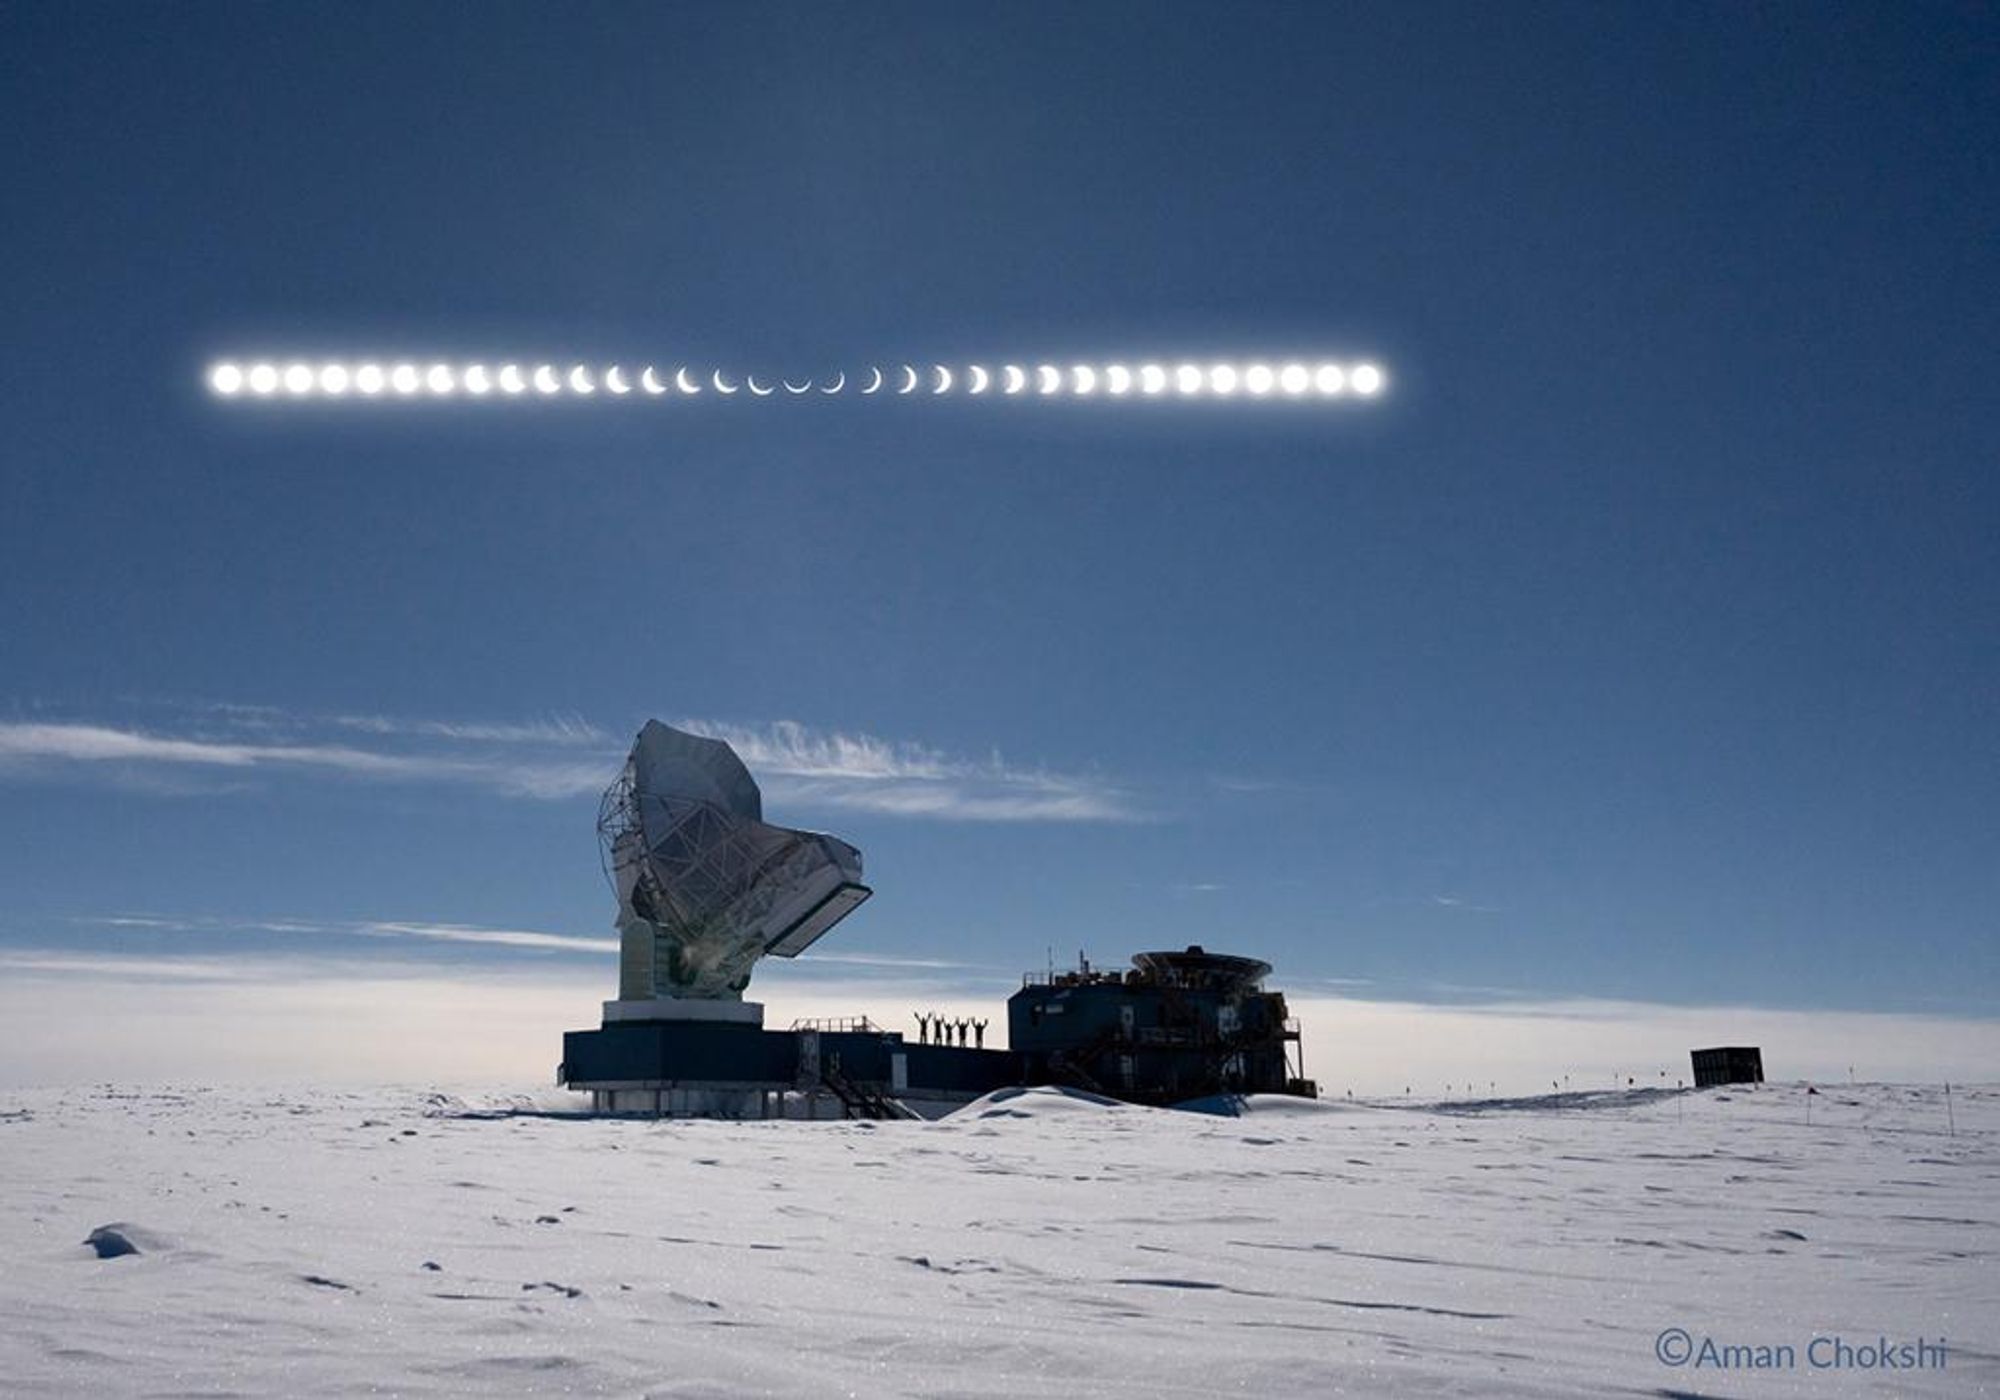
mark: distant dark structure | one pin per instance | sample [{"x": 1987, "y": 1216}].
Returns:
[
  {"x": 1177, "y": 1026},
  {"x": 1728, "y": 1064}
]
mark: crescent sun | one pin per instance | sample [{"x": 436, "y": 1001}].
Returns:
[
  {"x": 722, "y": 386},
  {"x": 683, "y": 383},
  {"x": 510, "y": 379},
  {"x": 792, "y": 388},
  {"x": 979, "y": 378},
  {"x": 909, "y": 379},
  {"x": 1051, "y": 378},
  {"x": 650, "y": 382},
  {"x": 545, "y": 379},
  {"x": 614, "y": 380},
  {"x": 755, "y": 388},
  {"x": 579, "y": 381},
  {"x": 1017, "y": 379},
  {"x": 839, "y": 383},
  {"x": 943, "y": 380},
  {"x": 874, "y": 383}
]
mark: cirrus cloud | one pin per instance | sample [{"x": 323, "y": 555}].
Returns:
[{"x": 799, "y": 767}]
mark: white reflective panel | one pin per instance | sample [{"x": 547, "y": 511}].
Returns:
[
  {"x": 1085, "y": 379},
  {"x": 334, "y": 379},
  {"x": 439, "y": 379},
  {"x": 226, "y": 379},
  {"x": 1152, "y": 379},
  {"x": 1330, "y": 379},
  {"x": 1366, "y": 379},
  {"x": 262, "y": 379},
  {"x": 299, "y": 379},
  {"x": 477, "y": 380},
  {"x": 1259, "y": 379},
  {"x": 1295, "y": 379},
  {"x": 404, "y": 379},
  {"x": 1222, "y": 379},
  {"x": 370, "y": 379},
  {"x": 705, "y": 886},
  {"x": 1189, "y": 379}
]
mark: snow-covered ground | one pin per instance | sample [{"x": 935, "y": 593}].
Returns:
[{"x": 419, "y": 1243}]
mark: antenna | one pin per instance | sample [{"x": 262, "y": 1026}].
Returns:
[{"x": 705, "y": 886}]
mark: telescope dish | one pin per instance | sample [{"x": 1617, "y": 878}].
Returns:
[{"x": 705, "y": 886}]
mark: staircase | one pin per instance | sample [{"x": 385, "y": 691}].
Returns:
[{"x": 858, "y": 1100}]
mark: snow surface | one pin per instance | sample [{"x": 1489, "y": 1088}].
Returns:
[{"x": 331, "y": 1242}]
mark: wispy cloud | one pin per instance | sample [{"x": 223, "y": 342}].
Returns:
[
  {"x": 31, "y": 745},
  {"x": 895, "y": 961},
  {"x": 433, "y": 931},
  {"x": 557, "y": 730},
  {"x": 791, "y": 748},
  {"x": 495, "y": 937},
  {"x": 859, "y": 772},
  {"x": 1464, "y": 906},
  {"x": 358, "y": 928},
  {"x": 46, "y": 962},
  {"x": 801, "y": 769}
]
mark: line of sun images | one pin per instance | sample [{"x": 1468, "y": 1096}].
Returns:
[{"x": 372, "y": 380}]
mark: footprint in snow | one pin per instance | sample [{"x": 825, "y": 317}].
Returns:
[{"x": 561, "y": 1288}]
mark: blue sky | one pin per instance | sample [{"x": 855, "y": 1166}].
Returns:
[{"x": 1641, "y": 644}]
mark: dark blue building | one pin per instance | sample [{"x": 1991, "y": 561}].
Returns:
[{"x": 1175, "y": 1026}]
